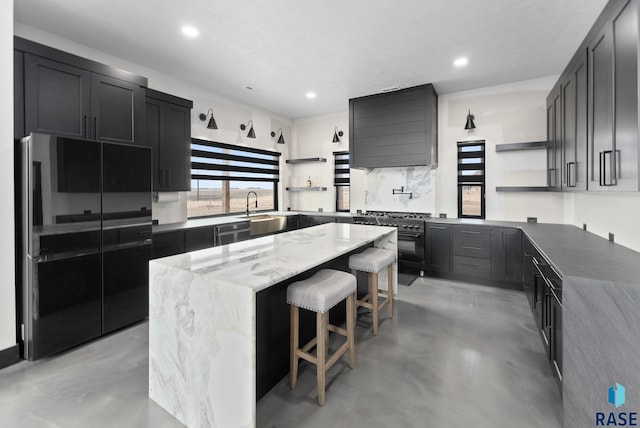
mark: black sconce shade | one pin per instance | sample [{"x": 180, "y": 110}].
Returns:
[
  {"x": 336, "y": 135},
  {"x": 251, "y": 133},
  {"x": 212, "y": 122},
  {"x": 280, "y": 138},
  {"x": 470, "y": 124}
]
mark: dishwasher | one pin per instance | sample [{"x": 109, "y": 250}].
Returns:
[{"x": 232, "y": 232}]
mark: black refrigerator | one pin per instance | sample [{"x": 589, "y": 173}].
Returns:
[{"x": 85, "y": 239}]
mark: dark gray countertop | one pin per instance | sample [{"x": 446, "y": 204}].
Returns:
[{"x": 573, "y": 251}]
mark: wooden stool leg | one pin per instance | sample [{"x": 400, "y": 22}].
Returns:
[
  {"x": 351, "y": 323},
  {"x": 321, "y": 350},
  {"x": 373, "y": 281},
  {"x": 293, "y": 361},
  {"x": 390, "y": 288}
]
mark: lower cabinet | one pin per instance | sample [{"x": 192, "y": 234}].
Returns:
[
  {"x": 436, "y": 247},
  {"x": 198, "y": 238},
  {"x": 485, "y": 254},
  {"x": 547, "y": 311},
  {"x": 506, "y": 254},
  {"x": 168, "y": 244}
]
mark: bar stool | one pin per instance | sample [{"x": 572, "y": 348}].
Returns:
[
  {"x": 320, "y": 293},
  {"x": 372, "y": 261}
]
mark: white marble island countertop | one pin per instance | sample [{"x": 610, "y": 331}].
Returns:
[
  {"x": 202, "y": 316},
  {"x": 261, "y": 262}
]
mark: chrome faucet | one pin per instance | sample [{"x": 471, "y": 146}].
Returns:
[{"x": 249, "y": 212}]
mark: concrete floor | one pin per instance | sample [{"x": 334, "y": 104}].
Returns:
[{"x": 455, "y": 355}]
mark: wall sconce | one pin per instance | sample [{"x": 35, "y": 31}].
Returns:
[
  {"x": 212, "y": 122},
  {"x": 251, "y": 133},
  {"x": 470, "y": 124},
  {"x": 336, "y": 135},
  {"x": 280, "y": 138}
]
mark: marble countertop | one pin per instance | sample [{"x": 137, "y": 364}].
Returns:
[
  {"x": 261, "y": 262},
  {"x": 573, "y": 251}
]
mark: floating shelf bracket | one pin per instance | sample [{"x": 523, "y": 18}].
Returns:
[{"x": 401, "y": 191}]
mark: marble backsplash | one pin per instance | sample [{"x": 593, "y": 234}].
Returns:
[{"x": 419, "y": 180}]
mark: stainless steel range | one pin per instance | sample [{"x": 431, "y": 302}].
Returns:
[{"x": 411, "y": 245}]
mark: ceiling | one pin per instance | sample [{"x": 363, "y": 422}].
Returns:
[{"x": 339, "y": 49}]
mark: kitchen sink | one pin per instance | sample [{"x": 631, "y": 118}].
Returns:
[{"x": 265, "y": 224}]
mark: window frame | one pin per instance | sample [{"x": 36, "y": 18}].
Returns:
[
  {"x": 268, "y": 167},
  {"x": 339, "y": 179},
  {"x": 472, "y": 180}
]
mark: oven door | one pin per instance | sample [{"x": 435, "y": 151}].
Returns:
[{"x": 411, "y": 247}]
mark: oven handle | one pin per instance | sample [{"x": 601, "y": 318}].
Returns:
[{"x": 409, "y": 235}]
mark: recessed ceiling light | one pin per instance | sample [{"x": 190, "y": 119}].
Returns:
[
  {"x": 461, "y": 62},
  {"x": 190, "y": 31},
  {"x": 311, "y": 95}
]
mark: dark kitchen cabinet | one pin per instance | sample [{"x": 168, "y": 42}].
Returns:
[
  {"x": 67, "y": 95},
  {"x": 556, "y": 335},
  {"x": 18, "y": 94},
  {"x": 57, "y": 98},
  {"x": 199, "y": 238},
  {"x": 574, "y": 129},
  {"x": 117, "y": 110},
  {"x": 554, "y": 141},
  {"x": 613, "y": 101},
  {"x": 529, "y": 252},
  {"x": 437, "y": 237},
  {"x": 506, "y": 254},
  {"x": 392, "y": 129},
  {"x": 293, "y": 222},
  {"x": 168, "y": 244},
  {"x": 471, "y": 251},
  {"x": 168, "y": 133}
]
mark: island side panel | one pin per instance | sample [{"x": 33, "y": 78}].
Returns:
[
  {"x": 201, "y": 348},
  {"x": 600, "y": 348}
]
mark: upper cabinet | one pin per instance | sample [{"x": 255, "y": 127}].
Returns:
[
  {"x": 554, "y": 141},
  {"x": 592, "y": 112},
  {"x": 613, "y": 101},
  {"x": 67, "y": 95},
  {"x": 168, "y": 133},
  {"x": 574, "y": 88},
  {"x": 394, "y": 129}
]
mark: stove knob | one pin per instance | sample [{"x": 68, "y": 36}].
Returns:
[
  {"x": 404, "y": 225},
  {"x": 395, "y": 225}
]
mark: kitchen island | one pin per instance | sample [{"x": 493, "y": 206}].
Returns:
[{"x": 210, "y": 312}]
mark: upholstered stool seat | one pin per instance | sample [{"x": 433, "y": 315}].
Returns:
[
  {"x": 372, "y": 261},
  {"x": 319, "y": 294}
]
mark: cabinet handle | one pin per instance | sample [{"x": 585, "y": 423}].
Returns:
[
  {"x": 438, "y": 227},
  {"x": 85, "y": 125},
  {"x": 614, "y": 166},
  {"x": 571, "y": 174},
  {"x": 473, "y": 232},
  {"x": 470, "y": 248},
  {"x": 95, "y": 128}
]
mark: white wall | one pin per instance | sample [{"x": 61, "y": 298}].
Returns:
[
  {"x": 229, "y": 114},
  {"x": 7, "y": 249},
  {"x": 609, "y": 212},
  {"x": 312, "y": 137},
  {"x": 510, "y": 113}
]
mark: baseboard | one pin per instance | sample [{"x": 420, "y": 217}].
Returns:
[{"x": 9, "y": 356}]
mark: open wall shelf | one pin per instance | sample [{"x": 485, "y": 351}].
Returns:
[
  {"x": 306, "y": 160},
  {"x": 521, "y": 189},
  {"x": 532, "y": 145},
  {"x": 306, "y": 189}
]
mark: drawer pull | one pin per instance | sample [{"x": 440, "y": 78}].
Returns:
[
  {"x": 470, "y": 248},
  {"x": 473, "y": 232}
]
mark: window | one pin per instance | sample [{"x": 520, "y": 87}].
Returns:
[
  {"x": 471, "y": 179},
  {"x": 222, "y": 175},
  {"x": 342, "y": 180}
]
